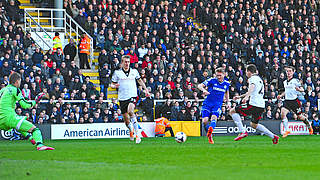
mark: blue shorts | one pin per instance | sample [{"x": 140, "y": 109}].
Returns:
[{"x": 208, "y": 111}]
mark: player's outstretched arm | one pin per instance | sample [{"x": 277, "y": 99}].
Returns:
[
  {"x": 248, "y": 94},
  {"x": 140, "y": 81},
  {"x": 22, "y": 101},
  {"x": 226, "y": 98},
  {"x": 201, "y": 86},
  {"x": 300, "y": 89},
  {"x": 281, "y": 95},
  {"x": 114, "y": 85}
]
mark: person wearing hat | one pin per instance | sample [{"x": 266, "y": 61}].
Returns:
[
  {"x": 162, "y": 126},
  {"x": 184, "y": 115},
  {"x": 104, "y": 76},
  {"x": 70, "y": 49}
]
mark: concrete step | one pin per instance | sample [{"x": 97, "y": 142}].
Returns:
[
  {"x": 95, "y": 81},
  {"x": 91, "y": 74},
  {"x": 24, "y": 1},
  {"x": 110, "y": 96},
  {"x": 112, "y": 90},
  {"x": 44, "y": 26},
  {"x": 35, "y": 14},
  {"x": 24, "y": 6},
  {"x": 41, "y": 20},
  {"x": 88, "y": 70}
]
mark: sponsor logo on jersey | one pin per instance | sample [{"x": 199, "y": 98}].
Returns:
[{"x": 218, "y": 89}]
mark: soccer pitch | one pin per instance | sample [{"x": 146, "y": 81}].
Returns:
[{"x": 255, "y": 157}]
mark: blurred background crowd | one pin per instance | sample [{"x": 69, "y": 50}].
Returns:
[{"x": 175, "y": 45}]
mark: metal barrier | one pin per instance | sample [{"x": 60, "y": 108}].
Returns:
[
  {"x": 77, "y": 30},
  {"x": 73, "y": 101},
  {"x": 29, "y": 20},
  {"x": 48, "y": 20}
]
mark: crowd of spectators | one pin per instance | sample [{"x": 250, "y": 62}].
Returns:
[{"x": 175, "y": 45}]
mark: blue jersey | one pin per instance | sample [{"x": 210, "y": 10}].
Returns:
[{"x": 217, "y": 90}]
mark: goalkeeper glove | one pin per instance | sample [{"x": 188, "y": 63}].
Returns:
[{"x": 39, "y": 97}]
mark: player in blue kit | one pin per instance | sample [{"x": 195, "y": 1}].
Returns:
[{"x": 217, "y": 90}]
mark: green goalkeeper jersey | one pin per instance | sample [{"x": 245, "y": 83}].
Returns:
[{"x": 8, "y": 98}]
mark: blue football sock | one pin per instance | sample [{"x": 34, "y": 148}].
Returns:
[
  {"x": 207, "y": 126},
  {"x": 213, "y": 124}
]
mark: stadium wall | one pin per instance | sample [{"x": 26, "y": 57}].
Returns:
[
  {"x": 45, "y": 129},
  {"x": 119, "y": 130},
  {"x": 230, "y": 129}
]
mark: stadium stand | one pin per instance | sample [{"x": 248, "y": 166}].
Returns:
[{"x": 175, "y": 45}]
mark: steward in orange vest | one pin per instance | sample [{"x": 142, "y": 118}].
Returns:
[
  {"x": 162, "y": 126},
  {"x": 84, "y": 51}
]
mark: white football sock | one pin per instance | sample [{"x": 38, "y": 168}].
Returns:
[
  {"x": 237, "y": 120},
  {"x": 129, "y": 126},
  {"x": 135, "y": 125},
  {"x": 266, "y": 131},
  {"x": 285, "y": 124}
]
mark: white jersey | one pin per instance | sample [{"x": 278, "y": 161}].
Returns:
[
  {"x": 256, "y": 98},
  {"x": 127, "y": 81},
  {"x": 290, "y": 89}
]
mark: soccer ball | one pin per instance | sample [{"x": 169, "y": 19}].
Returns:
[{"x": 181, "y": 137}]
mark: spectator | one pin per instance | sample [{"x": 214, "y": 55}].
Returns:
[
  {"x": 55, "y": 116},
  {"x": 103, "y": 58},
  {"x": 84, "y": 51},
  {"x": 13, "y": 11},
  {"x": 184, "y": 115},
  {"x": 316, "y": 124},
  {"x": 97, "y": 118},
  {"x": 26, "y": 93},
  {"x": 71, "y": 50},
  {"x": 101, "y": 39}
]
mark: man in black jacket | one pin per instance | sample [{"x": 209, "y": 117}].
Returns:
[
  {"x": 104, "y": 74},
  {"x": 184, "y": 115},
  {"x": 71, "y": 50},
  {"x": 103, "y": 58}
]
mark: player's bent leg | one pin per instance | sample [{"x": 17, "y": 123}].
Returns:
[
  {"x": 284, "y": 112},
  {"x": 262, "y": 128},
  {"x": 211, "y": 128},
  {"x": 22, "y": 126},
  {"x": 36, "y": 133},
  {"x": 306, "y": 122},
  {"x": 205, "y": 118},
  {"x": 134, "y": 122},
  {"x": 208, "y": 128},
  {"x": 237, "y": 120}
]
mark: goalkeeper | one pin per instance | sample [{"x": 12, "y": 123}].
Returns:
[{"x": 8, "y": 117}]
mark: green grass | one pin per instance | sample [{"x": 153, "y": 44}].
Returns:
[{"x": 296, "y": 157}]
